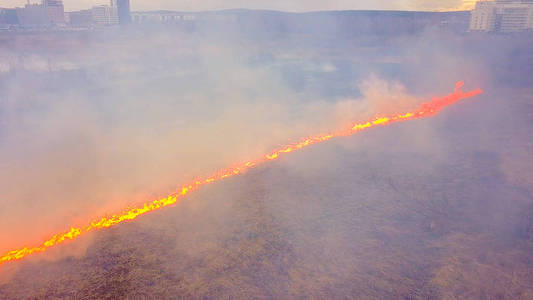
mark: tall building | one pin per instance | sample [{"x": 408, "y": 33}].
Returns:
[
  {"x": 55, "y": 11},
  {"x": 48, "y": 12},
  {"x": 124, "y": 16},
  {"x": 32, "y": 15},
  {"x": 502, "y": 16},
  {"x": 513, "y": 19},
  {"x": 104, "y": 15},
  {"x": 483, "y": 17}
]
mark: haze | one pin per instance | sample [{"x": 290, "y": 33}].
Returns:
[
  {"x": 294, "y": 6},
  {"x": 96, "y": 120}
]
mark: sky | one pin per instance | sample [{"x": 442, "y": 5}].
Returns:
[{"x": 282, "y": 5}]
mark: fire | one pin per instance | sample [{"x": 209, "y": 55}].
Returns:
[{"x": 423, "y": 111}]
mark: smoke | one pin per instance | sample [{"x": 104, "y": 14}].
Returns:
[
  {"x": 295, "y": 5},
  {"x": 91, "y": 131},
  {"x": 91, "y": 123}
]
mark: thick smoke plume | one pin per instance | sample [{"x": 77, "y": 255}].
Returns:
[{"x": 91, "y": 131}]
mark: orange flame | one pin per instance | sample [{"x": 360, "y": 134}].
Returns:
[{"x": 425, "y": 110}]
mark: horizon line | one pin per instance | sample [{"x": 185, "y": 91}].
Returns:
[{"x": 272, "y": 10}]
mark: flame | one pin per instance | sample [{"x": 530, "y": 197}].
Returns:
[{"x": 424, "y": 110}]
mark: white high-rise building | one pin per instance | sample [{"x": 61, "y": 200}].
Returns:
[
  {"x": 105, "y": 15},
  {"x": 483, "y": 17},
  {"x": 502, "y": 16}
]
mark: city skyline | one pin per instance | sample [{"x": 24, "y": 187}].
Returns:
[{"x": 291, "y": 6}]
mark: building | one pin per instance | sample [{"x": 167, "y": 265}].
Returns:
[
  {"x": 9, "y": 16},
  {"x": 32, "y": 15},
  {"x": 55, "y": 12},
  {"x": 502, "y": 16},
  {"x": 47, "y": 13},
  {"x": 513, "y": 19},
  {"x": 513, "y": 1},
  {"x": 104, "y": 15},
  {"x": 100, "y": 15},
  {"x": 81, "y": 18},
  {"x": 124, "y": 15},
  {"x": 483, "y": 17}
]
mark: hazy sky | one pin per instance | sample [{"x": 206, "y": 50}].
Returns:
[{"x": 283, "y": 5}]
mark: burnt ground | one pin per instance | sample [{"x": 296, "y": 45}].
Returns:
[
  {"x": 433, "y": 208},
  {"x": 339, "y": 220}
]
